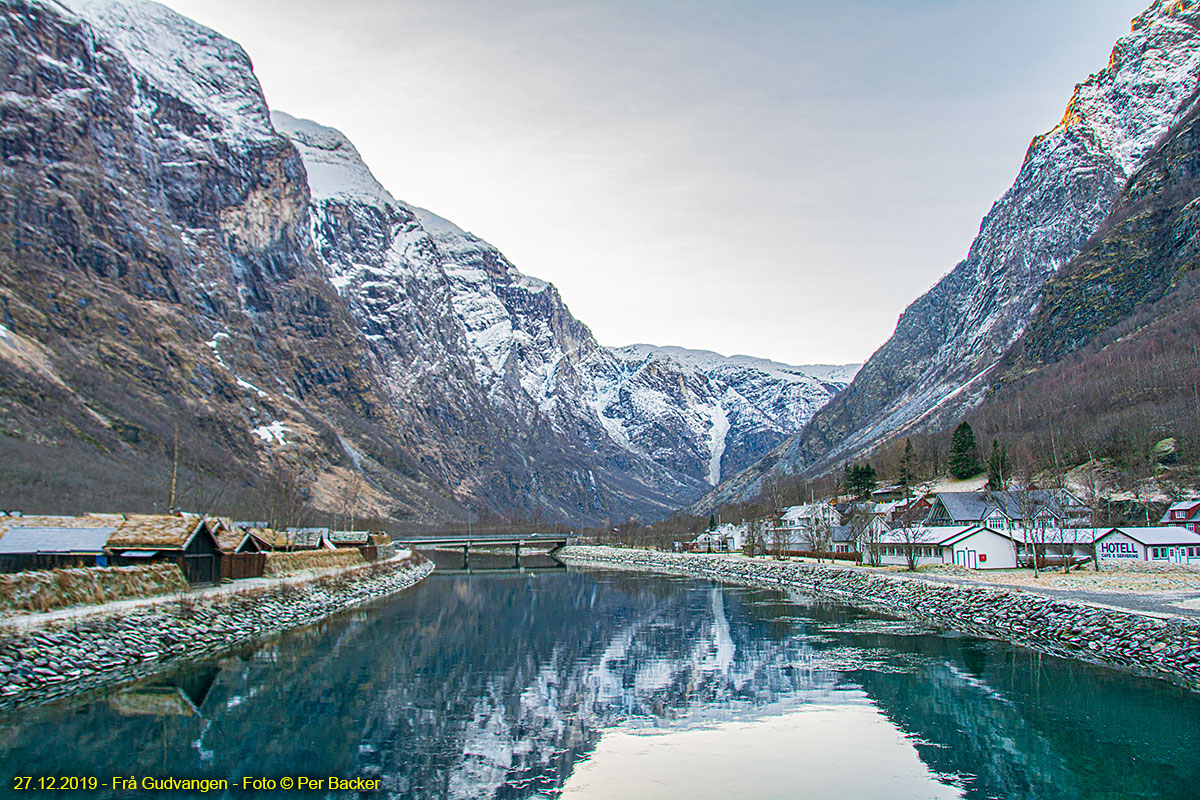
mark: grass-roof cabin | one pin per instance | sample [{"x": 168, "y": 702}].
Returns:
[
  {"x": 189, "y": 541},
  {"x": 242, "y": 555}
]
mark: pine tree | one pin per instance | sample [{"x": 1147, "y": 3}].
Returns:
[
  {"x": 998, "y": 467},
  {"x": 712, "y": 522},
  {"x": 906, "y": 467},
  {"x": 861, "y": 479},
  {"x": 964, "y": 453}
]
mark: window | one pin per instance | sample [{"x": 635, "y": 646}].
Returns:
[{"x": 1155, "y": 552}]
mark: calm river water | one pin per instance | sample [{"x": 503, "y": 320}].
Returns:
[{"x": 596, "y": 684}]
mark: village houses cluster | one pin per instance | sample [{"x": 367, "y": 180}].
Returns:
[
  {"x": 207, "y": 549},
  {"x": 976, "y": 529}
]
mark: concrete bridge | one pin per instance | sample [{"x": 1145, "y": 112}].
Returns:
[{"x": 546, "y": 542}]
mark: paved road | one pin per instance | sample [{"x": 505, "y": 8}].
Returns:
[{"x": 1165, "y": 603}]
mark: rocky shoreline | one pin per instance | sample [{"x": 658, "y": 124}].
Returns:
[
  {"x": 100, "y": 648},
  {"x": 1157, "y": 647}
]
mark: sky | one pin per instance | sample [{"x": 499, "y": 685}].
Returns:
[{"x": 778, "y": 179}]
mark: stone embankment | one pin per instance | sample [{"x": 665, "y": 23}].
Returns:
[
  {"x": 1148, "y": 645},
  {"x": 101, "y": 647}
]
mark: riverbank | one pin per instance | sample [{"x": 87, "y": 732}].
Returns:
[
  {"x": 47, "y": 656},
  {"x": 1151, "y": 645}
]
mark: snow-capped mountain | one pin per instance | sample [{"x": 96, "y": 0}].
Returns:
[
  {"x": 732, "y": 409},
  {"x": 671, "y": 418},
  {"x": 175, "y": 255},
  {"x": 942, "y": 356}
]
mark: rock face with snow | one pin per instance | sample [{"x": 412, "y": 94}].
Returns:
[
  {"x": 941, "y": 357},
  {"x": 690, "y": 407},
  {"x": 175, "y": 257},
  {"x": 451, "y": 320}
]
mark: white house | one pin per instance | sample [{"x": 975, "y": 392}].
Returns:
[
  {"x": 1172, "y": 544},
  {"x": 727, "y": 538},
  {"x": 926, "y": 542},
  {"x": 982, "y": 546},
  {"x": 796, "y": 521},
  {"x": 1185, "y": 514}
]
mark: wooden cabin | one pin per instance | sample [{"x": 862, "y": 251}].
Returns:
[
  {"x": 187, "y": 540},
  {"x": 242, "y": 555},
  {"x": 306, "y": 539}
]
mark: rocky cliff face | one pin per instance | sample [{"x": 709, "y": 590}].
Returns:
[
  {"x": 157, "y": 267},
  {"x": 943, "y": 354},
  {"x": 1109, "y": 367},
  {"x": 183, "y": 282}
]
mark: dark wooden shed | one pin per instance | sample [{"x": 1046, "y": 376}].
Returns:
[{"x": 187, "y": 540}]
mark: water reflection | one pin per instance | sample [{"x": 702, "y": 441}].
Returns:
[{"x": 589, "y": 684}]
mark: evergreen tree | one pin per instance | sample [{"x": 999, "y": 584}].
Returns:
[
  {"x": 964, "y": 453},
  {"x": 906, "y": 466},
  {"x": 998, "y": 467},
  {"x": 861, "y": 479},
  {"x": 712, "y": 522}
]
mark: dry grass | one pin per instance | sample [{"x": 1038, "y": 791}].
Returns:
[
  {"x": 1085, "y": 578},
  {"x": 45, "y": 590},
  {"x": 280, "y": 564}
]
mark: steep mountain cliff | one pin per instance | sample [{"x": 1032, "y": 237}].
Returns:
[
  {"x": 1109, "y": 367},
  {"x": 197, "y": 293},
  {"x": 943, "y": 354},
  {"x": 162, "y": 298}
]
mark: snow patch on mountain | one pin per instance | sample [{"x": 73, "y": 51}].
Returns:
[
  {"x": 707, "y": 361},
  {"x": 716, "y": 446}
]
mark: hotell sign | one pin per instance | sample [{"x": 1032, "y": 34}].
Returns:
[{"x": 1118, "y": 550}]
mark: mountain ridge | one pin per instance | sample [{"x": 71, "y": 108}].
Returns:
[{"x": 941, "y": 359}]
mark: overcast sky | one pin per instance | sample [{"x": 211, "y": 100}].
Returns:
[{"x": 773, "y": 178}]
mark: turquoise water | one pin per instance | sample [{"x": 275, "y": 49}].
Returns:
[{"x": 595, "y": 684}]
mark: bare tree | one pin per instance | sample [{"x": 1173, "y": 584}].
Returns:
[
  {"x": 1058, "y": 527},
  {"x": 285, "y": 491},
  {"x": 1028, "y": 505},
  {"x": 781, "y": 540},
  {"x": 755, "y": 543},
  {"x": 349, "y": 497},
  {"x": 818, "y": 535},
  {"x": 866, "y": 531},
  {"x": 913, "y": 536},
  {"x": 1093, "y": 488}
]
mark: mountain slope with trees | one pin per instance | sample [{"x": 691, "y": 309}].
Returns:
[{"x": 948, "y": 345}]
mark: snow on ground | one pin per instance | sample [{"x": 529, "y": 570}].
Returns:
[
  {"x": 35, "y": 621},
  {"x": 275, "y": 432},
  {"x": 1085, "y": 578},
  {"x": 215, "y": 345}
]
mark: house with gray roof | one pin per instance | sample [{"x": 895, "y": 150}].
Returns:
[
  {"x": 1043, "y": 508},
  {"x": 25, "y": 547}
]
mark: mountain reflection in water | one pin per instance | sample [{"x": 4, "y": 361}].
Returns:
[{"x": 500, "y": 685}]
